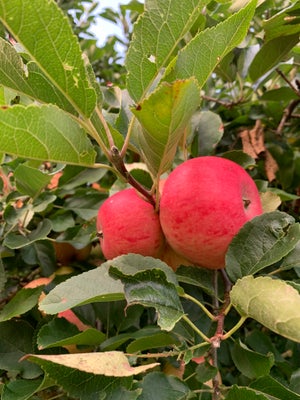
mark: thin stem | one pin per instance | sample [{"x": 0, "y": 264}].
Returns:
[
  {"x": 234, "y": 329},
  {"x": 197, "y": 330},
  {"x": 127, "y": 138},
  {"x": 106, "y": 128},
  {"x": 203, "y": 308}
]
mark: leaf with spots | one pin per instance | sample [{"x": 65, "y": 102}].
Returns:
[
  {"x": 272, "y": 302},
  {"x": 46, "y": 35},
  {"x": 156, "y": 36}
]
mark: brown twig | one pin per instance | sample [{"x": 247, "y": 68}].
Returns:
[
  {"x": 288, "y": 111},
  {"x": 118, "y": 162},
  {"x": 228, "y": 105}
]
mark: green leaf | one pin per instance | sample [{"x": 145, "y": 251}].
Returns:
[
  {"x": 271, "y": 302},
  {"x": 155, "y": 38},
  {"x": 292, "y": 260},
  {"x": 244, "y": 393},
  {"x": 204, "y": 52},
  {"x": 60, "y": 332},
  {"x": 270, "y": 54},
  {"x": 110, "y": 363},
  {"x": 79, "y": 383},
  {"x": 30, "y": 181},
  {"x": 207, "y": 129},
  {"x": 44, "y": 133},
  {"x": 164, "y": 116},
  {"x": 22, "y": 389},
  {"x": 33, "y": 83},
  {"x": 23, "y": 301},
  {"x": 199, "y": 277},
  {"x": 261, "y": 242},
  {"x": 3, "y": 277},
  {"x": 284, "y": 23},
  {"x": 154, "y": 341},
  {"x": 16, "y": 339},
  {"x": 16, "y": 241},
  {"x": 157, "y": 385},
  {"x": 91, "y": 286},
  {"x": 149, "y": 287},
  {"x": 250, "y": 363},
  {"x": 281, "y": 94},
  {"x": 41, "y": 27},
  {"x": 273, "y": 389}
]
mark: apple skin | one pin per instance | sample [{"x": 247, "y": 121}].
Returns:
[
  {"x": 204, "y": 203},
  {"x": 126, "y": 223}
]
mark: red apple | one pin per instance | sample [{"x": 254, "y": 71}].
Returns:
[
  {"x": 204, "y": 203},
  {"x": 129, "y": 224}
]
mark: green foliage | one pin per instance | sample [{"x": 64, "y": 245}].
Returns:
[{"x": 77, "y": 124}]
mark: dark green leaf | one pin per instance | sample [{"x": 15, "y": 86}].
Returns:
[
  {"x": 274, "y": 389},
  {"x": 261, "y": 242},
  {"x": 251, "y": 363},
  {"x": 16, "y": 340},
  {"x": 16, "y": 241},
  {"x": 59, "y": 332},
  {"x": 22, "y": 389},
  {"x": 150, "y": 288},
  {"x": 157, "y": 385},
  {"x": 23, "y": 301},
  {"x": 242, "y": 393},
  {"x": 270, "y": 54}
]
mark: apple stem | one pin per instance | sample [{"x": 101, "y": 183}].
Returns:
[{"x": 118, "y": 162}]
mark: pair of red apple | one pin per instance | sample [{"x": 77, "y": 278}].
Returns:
[{"x": 204, "y": 203}]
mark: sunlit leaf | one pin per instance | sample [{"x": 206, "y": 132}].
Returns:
[
  {"x": 204, "y": 52},
  {"x": 28, "y": 80},
  {"x": 79, "y": 383},
  {"x": 46, "y": 35},
  {"x": 155, "y": 38},
  {"x": 111, "y": 363},
  {"x": 164, "y": 116},
  {"x": 44, "y": 133},
  {"x": 273, "y": 303}
]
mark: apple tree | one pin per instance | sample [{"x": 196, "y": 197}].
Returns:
[{"x": 77, "y": 125}]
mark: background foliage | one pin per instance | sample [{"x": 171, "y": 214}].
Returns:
[{"x": 74, "y": 119}]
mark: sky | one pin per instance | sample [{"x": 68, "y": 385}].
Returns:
[{"x": 104, "y": 28}]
